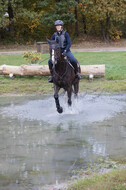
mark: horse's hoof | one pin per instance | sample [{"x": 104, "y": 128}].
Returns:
[
  {"x": 60, "y": 110},
  {"x": 69, "y": 104}
]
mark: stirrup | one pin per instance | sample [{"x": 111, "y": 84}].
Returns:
[
  {"x": 78, "y": 75},
  {"x": 50, "y": 80}
]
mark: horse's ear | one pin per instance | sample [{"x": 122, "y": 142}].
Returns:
[{"x": 49, "y": 41}]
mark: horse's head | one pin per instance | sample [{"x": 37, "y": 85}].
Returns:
[{"x": 55, "y": 51}]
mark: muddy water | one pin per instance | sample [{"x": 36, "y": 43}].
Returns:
[{"x": 38, "y": 146}]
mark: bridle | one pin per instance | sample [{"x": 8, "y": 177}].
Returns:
[{"x": 55, "y": 57}]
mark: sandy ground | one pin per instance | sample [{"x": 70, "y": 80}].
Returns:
[
  {"x": 83, "y": 45},
  {"x": 96, "y": 49}
]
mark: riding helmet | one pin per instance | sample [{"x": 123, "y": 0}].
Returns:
[{"x": 58, "y": 22}]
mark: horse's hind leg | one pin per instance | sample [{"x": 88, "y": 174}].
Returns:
[
  {"x": 76, "y": 88},
  {"x": 69, "y": 93},
  {"x": 59, "y": 108}
]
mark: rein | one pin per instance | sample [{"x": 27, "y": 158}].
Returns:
[
  {"x": 43, "y": 60},
  {"x": 63, "y": 73},
  {"x": 69, "y": 63}
]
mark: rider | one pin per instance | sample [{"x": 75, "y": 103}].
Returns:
[{"x": 63, "y": 39}]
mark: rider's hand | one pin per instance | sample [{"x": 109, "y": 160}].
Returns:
[{"x": 64, "y": 53}]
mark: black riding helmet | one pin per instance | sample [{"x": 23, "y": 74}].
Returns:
[{"x": 58, "y": 22}]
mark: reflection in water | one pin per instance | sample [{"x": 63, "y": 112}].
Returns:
[{"x": 39, "y": 146}]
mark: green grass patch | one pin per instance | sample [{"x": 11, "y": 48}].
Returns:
[
  {"x": 18, "y": 59},
  {"x": 25, "y": 85},
  {"x": 115, "y": 62},
  {"x": 115, "y": 180},
  {"x": 114, "y": 80}
]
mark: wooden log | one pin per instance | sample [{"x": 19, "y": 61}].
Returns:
[
  {"x": 25, "y": 70},
  {"x": 43, "y": 70},
  {"x": 95, "y": 70}
]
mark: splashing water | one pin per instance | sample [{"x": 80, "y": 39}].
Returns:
[
  {"x": 40, "y": 145},
  {"x": 85, "y": 109}
]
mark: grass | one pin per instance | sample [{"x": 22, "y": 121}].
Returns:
[
  {"x": 115, "y": 62},
  {"x": 17, "y": 59},
  {"x": 115, "y": 180},
  {"x": 114, "y": 81},
  {"x": 24, "y": 85}
]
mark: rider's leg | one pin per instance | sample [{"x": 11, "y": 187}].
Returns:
[
  {"x": 51, "y": 71},
  {"x": 74, "y": 63}
]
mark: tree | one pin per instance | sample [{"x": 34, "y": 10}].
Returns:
[
  {"x": 10, "y": 8},
  {"x": 34, "y": 19},
  {"x": 3, "y": 14},
  {"x": 63, "y": 10},
  {"x": 4, "y": 21},
  {"x": 105, "y": 13}
]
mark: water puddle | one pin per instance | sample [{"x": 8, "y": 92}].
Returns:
[{"x": 38, "y": 146}]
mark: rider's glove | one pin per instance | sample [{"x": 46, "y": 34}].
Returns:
[{"x": 64, "y": 53}]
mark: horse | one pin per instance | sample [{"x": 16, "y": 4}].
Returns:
[{"x": 63, "y": 74}]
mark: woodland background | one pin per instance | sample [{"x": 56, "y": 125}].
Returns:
[{"x": 28, "y": 21}]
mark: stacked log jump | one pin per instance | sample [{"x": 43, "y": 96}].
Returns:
[{"x": 43, "y": 70}]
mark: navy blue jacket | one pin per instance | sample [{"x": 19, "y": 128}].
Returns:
[{"x": 68, "y": 41}]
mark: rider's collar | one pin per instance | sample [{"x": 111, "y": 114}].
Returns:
[{"x": 59, "y": 32}]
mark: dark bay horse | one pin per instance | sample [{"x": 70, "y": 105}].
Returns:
[{"x": 63, "y": 74}]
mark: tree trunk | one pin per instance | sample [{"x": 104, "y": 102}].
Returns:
[
  {"x": 84, "y": 24},
  {"x": 107, "y": 27},
  {"x": 76, "y": 23},
  {"x": 11, "y": 16},
  {"x": 105, "y": 31}
]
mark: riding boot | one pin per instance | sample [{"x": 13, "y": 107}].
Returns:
[
  {"x": 50, "y": 79},
  {"x": 78, "y": 75},
  {"x": 51, "y": 73}
]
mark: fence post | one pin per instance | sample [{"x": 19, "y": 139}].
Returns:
[{"x": 42, "y": 47}]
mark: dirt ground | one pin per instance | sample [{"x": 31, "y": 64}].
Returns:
[
  {"x": 85, "y": 45},
  {"x": 84, "y": 42},
  {"x": 82, "y": 45}
]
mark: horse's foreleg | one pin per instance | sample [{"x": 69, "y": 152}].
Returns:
[
  {"x": 69, "y": 93},
  {"x": 59, "y": 108}
]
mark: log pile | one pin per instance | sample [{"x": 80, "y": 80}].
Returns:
[{"x": 43, "y": 70}]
